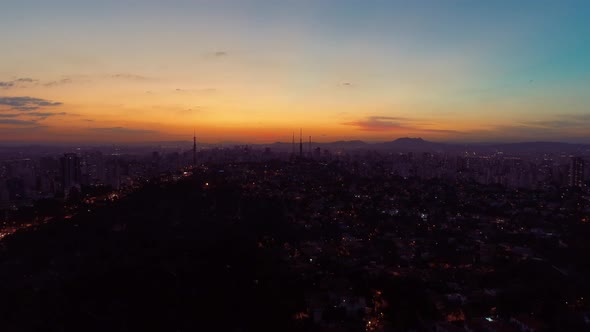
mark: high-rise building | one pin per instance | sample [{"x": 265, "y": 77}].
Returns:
[
  {"x": 70, "y": 172},
  {"x": 577, "y": 172}
]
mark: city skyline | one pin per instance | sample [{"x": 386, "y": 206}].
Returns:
[
  {"x": 254, "y": 71},
  {"x": 295, "y": 165}
]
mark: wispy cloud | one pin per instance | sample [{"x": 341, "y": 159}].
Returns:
[
  {"x": 123, "y": 130},
  {"x": 62, "y": 81},
  {"x": 379, "y": 123},
  {"x": 26, "y": 82},
  {"x": 133, "y": 77},
  {"x": 216, "y": 54},
  {"x": 442, "y": 131},
  {"x": 563, "y": 121},
  {"x": 10, "y": 115},
  {"x": 45, "y": 115},
  {"x": 25, "y": 129},
  {"x": 18, "y": 122},
  {"x": 559, "y": 127},
  {"x": 392, "y": 123},
  {"x": 16, "y": 117},
  {"x": 196, "y": 91},
  {"x": 26, "y": 104},
  {"x": 19, "y": 82}
]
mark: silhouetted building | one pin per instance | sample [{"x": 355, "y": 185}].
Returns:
[
  {"x": 70, "y": 172},
  {"x": 577, "y": 172}
]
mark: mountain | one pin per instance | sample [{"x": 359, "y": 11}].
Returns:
[
  {"x": 409, "y": 140},
  {"x": 418, "y": 144},
  {"x": 403, "y": 144},
  {"x": 412, "y": 144}
]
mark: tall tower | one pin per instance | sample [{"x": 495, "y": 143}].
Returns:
[
  {"x": 293, "y": 145},
  {"x": 309, "y": 152},
  {"x": 194, "y": 148},
  {"x": 300, "y": 142}
]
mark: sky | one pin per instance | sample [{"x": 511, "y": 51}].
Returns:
[{"x": 258, "y": 70}]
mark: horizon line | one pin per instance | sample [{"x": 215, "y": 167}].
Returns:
[{"x": 368, "y": 142}]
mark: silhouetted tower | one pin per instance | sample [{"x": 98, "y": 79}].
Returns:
[
  {"x": 300, "y": 142},
  {"x": 194, "y": 148},
  {"x": 293, "y": 146},
  {"x": 309, "y": 152}
]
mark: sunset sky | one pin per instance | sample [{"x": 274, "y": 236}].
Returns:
[{"x": 257, "y": 70}]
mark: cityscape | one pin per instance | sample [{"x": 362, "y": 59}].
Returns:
[
  {"x": 404, "y": 235},
  {"x": 309, "y": 165}
]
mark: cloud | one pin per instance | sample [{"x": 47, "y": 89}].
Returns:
[
  {"x": 58, "y": 82},
  {"x": 44, "y": 115},
  {"x": 26, "y": 104},
  {"x": 25, "y": 80},
  {"x": 379, "y": 123},
  {"x": 19, "y": 82},
  {"x": 516, "y": 133},
  {"x": 560, "y": 122},
  {"x": 197, "y": 91},
  {"x": 580, "y": 117},
  {"x": 133, "y": 77},
  {"x": 18, "y": 122},
  {"x": 24, "y": 130},
  {"x": 215, "y": 54},
  {"x": 442, "y": 131},
  {"x": 390, "y": 123},
  {"x": 27, "y": 114},
  {"x": 540, "y": 132},
  {"x": 549, "y": 124},
  {"x": 123, "y": 130}
]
